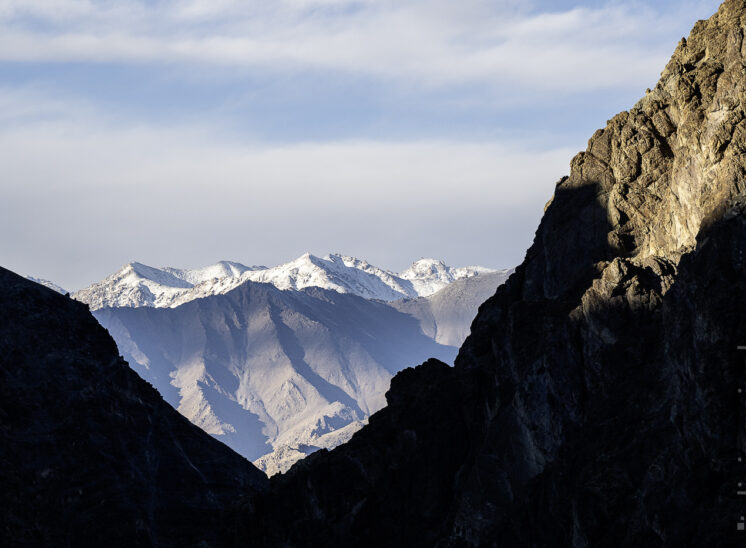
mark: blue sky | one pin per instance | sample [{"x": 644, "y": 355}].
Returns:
[{"x": 182, "y": 133}]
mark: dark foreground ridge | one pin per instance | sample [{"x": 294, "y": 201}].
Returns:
[
  {"x": 595, "y": 402},
  {"x": 90, "y": 454}
]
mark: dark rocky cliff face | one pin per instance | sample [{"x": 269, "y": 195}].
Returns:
[
  {"x": 595, "y": 402},
  {"x": 90, "y": 455}
]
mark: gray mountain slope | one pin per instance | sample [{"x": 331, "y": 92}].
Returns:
[
  {"x": 446, "y": 315},
  {"x": 266, "y": 370}
]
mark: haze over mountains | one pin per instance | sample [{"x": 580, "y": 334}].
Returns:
[{"x": 279, "y": 362}]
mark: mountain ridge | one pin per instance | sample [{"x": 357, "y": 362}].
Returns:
[
  {"x": 48, "y": 284},
  {"x": 136, "y": 284}
]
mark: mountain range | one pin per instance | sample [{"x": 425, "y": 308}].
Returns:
[
  {"x": 294, "y": 362},
  {"x": 597, "y": 400},
  {"x": 136, "y": 284}
]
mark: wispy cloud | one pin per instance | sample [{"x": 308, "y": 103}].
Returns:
[{"x": 418, "y": 42}]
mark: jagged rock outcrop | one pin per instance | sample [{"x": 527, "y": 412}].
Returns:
[
  {"x": 595, "y": 401},
  {"x": 90, "y": 455}
]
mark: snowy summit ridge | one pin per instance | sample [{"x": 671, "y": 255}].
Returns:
[
  {"x": 46, "y": 283},
  {"x": 136, "y": 284}
]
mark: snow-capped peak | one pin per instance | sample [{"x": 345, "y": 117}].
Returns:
[
  {"x": 136, "y": 284},
  {"x": 46, "y": 283},
  {"x": 222, "y": 269},
  {"x": 133, "y": 273},
  {"x": 427, "y": 269},
  {"x": 431, "y": 275},
  {"x": 337, "y": 272}
]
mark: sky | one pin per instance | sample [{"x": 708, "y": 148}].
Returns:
[{"x": 182, "y": 133}]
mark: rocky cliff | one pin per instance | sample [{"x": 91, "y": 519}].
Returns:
[
  {"x": 595, "y": 401},
  {"x": 90, "y": 455}
]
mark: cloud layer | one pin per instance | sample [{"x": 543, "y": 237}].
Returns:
[{"x": 418, "y": 42}]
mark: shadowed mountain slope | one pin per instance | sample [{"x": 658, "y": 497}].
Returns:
[{"x": 90, "y": 455}]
